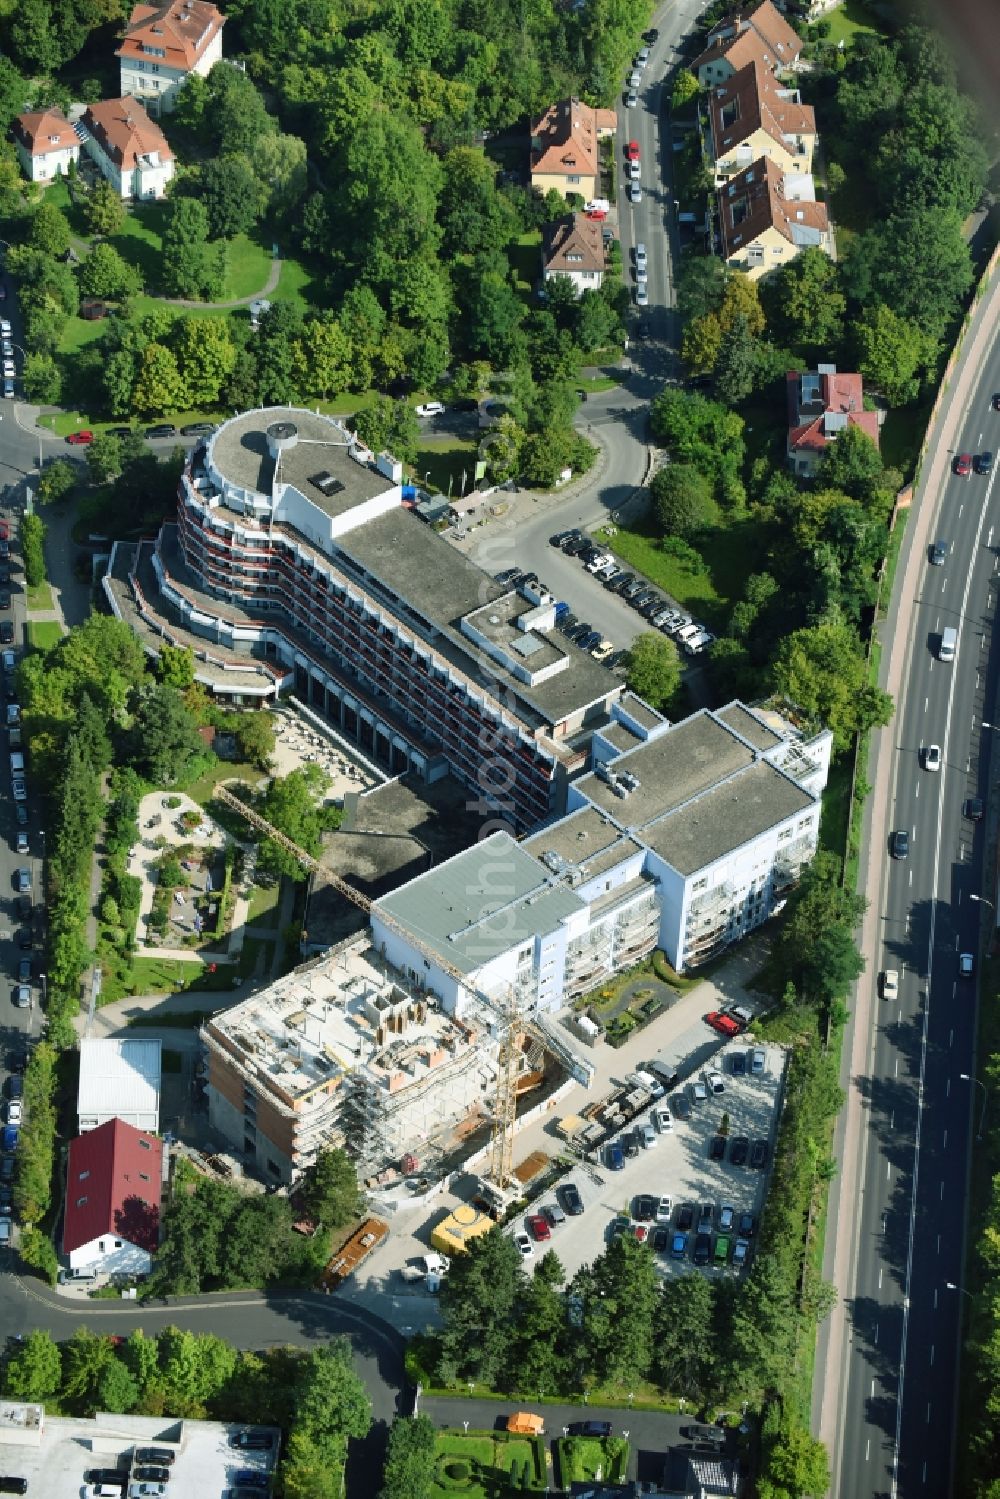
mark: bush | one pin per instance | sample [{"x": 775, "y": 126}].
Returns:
[{"x": 33, "y": 549}]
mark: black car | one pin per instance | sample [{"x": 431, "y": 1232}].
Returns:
[
  {"x": 567, "y": 623},
  {"x": 738, "y": 1063},
  {"x": 25, "y": 939},
  {"x": 900, "y": 844},
  {"x": 739, "y": 1149},
  {"x": 685, "y": 1217},
  {"x": 571, "y": 1199},
  {"x": 590, "y": 1429},
  {"x": 650, "y": 36},
  {"x": 162, "y": 429},
  {"x": 107, "y": 1475},
  {"x": 702, "y": 1249},
  {"x": 17, "y": 1061},
  {"x": 4, "y": 600},
  {"x": 679, "y": 1105},
  {"x": 714, "y": 1436},
  {"x": 982, "y": 463},
  {"x": 745, "y": 1226},
  {"x": 645, "y": 1209},
  {"x": 758, "y": 1154},
  {"x": 706, "y": 1218},
  {"x": 630, "y": 1142},
  {"x": 973, "y": 808},
  {"x": 4, "y": 549},
  {"x": 24, "y": 907},
  {"x": 120, "y": 431},
  {"x": 575, "y": 547},
  {"x": 660, "y": 1238},
  {"x": 6, "y": 632},
  {"x": 147, "y": 1474},
  {"x": 252, "y": 1478},
  {"x": 4, "y": 575},
  {"x": 508, "y": 575},
  {"x": 258, "y": 1441},
  {"x": 198, "y": 429},
  {"x": 161, "y": 1456},
  {"x": 717, "y": 1148}
]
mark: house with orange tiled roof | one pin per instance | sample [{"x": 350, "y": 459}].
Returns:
[
  {"x": 565, "y": 154},
  {"x": 821, "y": 405},
  {"x": 759, "y": 33},
  {"x": 45, "y": 143},
  {"x": 766, "y": 217},
  {"x": 163, "y": 45},
  {"x": 128, "y": 147},
  {"x": 574, "y": 247},
  {"x": 753, "y": 115}
]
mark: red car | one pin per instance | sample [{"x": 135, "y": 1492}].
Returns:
[
  {"x": 640, "y": 1232},
  {"x": 963, "y": 465},
  {"x": 632, "y": 151},
  {"x": 81, "y": 439},
  {"x": 539, "y": 1227},
  {"x": 724, "y": 1024},
  {"x": 4, "y": 531}
]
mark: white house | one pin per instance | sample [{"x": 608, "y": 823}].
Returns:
[
  {"x": 163, "y": 45},
  {"x": 128, "y": 147},
  {"x": 45, "y": 143},
  {"x": 112, "y": 1216},
  {"x": 119, "y": 1080},
  {"x": 574, "y": 247}
]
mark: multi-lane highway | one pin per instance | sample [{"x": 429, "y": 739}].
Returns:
[{"x": 888, "y": 1391}]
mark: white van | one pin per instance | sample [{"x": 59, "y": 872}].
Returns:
[
  {"x": 82, "y": 1277},
  {"x": 949, "y": 645}
]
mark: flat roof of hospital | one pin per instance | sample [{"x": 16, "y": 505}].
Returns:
[
  {"x": 239, "y": 453},
  {"x": 726, "y": 817}
]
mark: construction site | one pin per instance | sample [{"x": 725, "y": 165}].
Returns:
[{"x": 341, "y": 1052}]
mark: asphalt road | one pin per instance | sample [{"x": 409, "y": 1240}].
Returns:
[{"x": 900, "y": 1400}]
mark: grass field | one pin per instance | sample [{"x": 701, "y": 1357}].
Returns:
[
  {"x": 43, "y": 633},
  {"x": 264, "y": 902},
  {"x": 39, "y": 598},
  {"x": 484, "y": 1460},
  {"x": 442, "y": 461},
  {"x": 848, "y": 20},
  {"x": 730, "y": 553}
]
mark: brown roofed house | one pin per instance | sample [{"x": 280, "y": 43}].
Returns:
[
  {"x": 163, "y": 45},
  {"x": 766, "y": 217},
  {"x": 821, "y": 404},
  {"x": 574, "y": 247},
  {"x": 46, "y": 143},
  {"x": 128, "y": 147},
  {"x": 564, "y": 149},
  {"x": 752, "y": 115},
  {"x": 757, "y": 33}
]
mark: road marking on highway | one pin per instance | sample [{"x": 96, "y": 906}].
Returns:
[
  {"x": 910, "y": 881},
  {"x": 947, "y": 1088},
  {"x": 873, "y": 1389},
  {"x": 924, "y": 1474},
  {"x": 880, "y": 1277},
  {"x": 961, "y": 507},
  {"x": 868, "y": 1448},
  {"x": 942, "y": 1191},
  {"x": 928, "y": 1412},
  {"x": 926, "y": 701},
  {"x": 917, "y": 792},
  {"x": 939, "y": 1251},
  {"x": 876, "y": 1334},
  {"x": 892, "y": 1119},
  {"x": 951, "y": 1036},
  {"x": 888, "y": 1170},
  {"x": 932, "y": 1353},
  {"x": 946, "y": 1139},
  {"x": 935, "y": 1288},
  {"x": 897, "y": 1066}
]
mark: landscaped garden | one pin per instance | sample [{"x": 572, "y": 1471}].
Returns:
[{"x": 487, "y": 1465}]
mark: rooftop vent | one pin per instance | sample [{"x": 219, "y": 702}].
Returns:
[
  {"x": 281, "y": 435},
  {"x": 327, "y": 483}
]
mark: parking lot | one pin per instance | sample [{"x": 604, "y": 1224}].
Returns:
[{"x": 677, "y": 1164}]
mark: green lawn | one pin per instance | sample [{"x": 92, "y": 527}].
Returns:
[
  {"x": 730, "y": 553},
  {"x": 38, "y": 598},
  {"x": 264, "y": 902},
  {"x": 847, "y": 20},
  {"x": 486, "y": 1458},
  {"x": 43, "y": 633},
  {"x": 524, "y": 254},
  {"x": 902, "y": 433},
  {"x": 445, "y": 460},
  {"x": 581, "y": 1459}
]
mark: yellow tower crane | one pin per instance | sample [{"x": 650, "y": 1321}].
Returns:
[{"x": 514, "y": 1025}]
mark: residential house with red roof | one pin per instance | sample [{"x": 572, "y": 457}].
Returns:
[
  {"x": 766, "y": 217},
  {"x": 573, "y": 247},
  {"x": 163, "y": 45},
  {"x": 45, "y": 143},
  {"x": 752, "y": 115},
  {"x": 128, "y": 147},
  {"x": 112, "y": 1217},
  {"x": 759, "y": 33},
  {"x": 565, "y": 154},
  {"x": 821, "y": 405}
]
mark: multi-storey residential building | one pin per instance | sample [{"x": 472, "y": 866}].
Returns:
[
  {"x": 565, "y": 154},
  {"x": 164, "y": 44},
  {"x": 821, "y": 405},
  {"x": 759, "y": 33},
  {"x": 750, "y": 115},
  {"x": 294, "y": 563},
  {"x": 573, "y": 247},
  {"x": 128, "y": 147},
  {"x": 46, "y": 144},
  {"x": 767, "y": 217}
]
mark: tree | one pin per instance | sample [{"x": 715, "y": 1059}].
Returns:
[
  {"x": 159, "y": 386},
  {"x": 59, "y": 479},
  {"x": 307, "y": 1471},
  {"x": 85, "y": 1358},
  {"x": 805, "y": 304},
  {"x": 894, "y": 354},
  {"x": 254, "y": 733},
  {"x": 492, "y": 320},
  {"x": 116, "y": 1389},
  {"x": 103, "y": 209},
  {"x": 620, "y": 1292},
  {"x": 105, "y": 274},
  {"x": 163, "y": 741},
  {"x": 331, "y": 1403},
  {"x": 917, "y": 262},
  {"x": 34, "y": 1372},
  {"x": 478, "y": 1297},
  {"x": 42, "y": 379},
  {"x": 291, "y": 804},
  {"x": 279, "y": 162},
  {"x": 794, "y": 1463},
  {"x": 735, "y": 371},
  {"x": 683, "y": 1356},
  {"x": 235, "y": 115},
  {"x": 389, "y": 425},
  {"x": 683, "y": 499},
  {"x": 206, "y": 356},
  {"x": 32, "y": 532},
  {"x": 701, "y": 285},
  {"x": 175, "y": 666},
  {"x": 705, "y": 434},
  {"x": 190, "y": 266},
  {"x": 538, "y": 1355},
  {"x": 48, "y": 230},
  {"x": 853, "y": 464},
  {"x": 104, "y": 458},
  {"x": 329, "y": 1189},
  {"x": 822, "y": 669},
  {"x": 815, "y": 950},
  {"x": 472, "y": 214},
  {"x": 231, "y": 193},
  {"x": 700, "y": 344},
  {"x": 654, "y": 668},
  {"x": 322, "y": 358},
  {"x": 411, "y": 1459}
]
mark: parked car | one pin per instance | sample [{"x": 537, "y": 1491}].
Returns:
[
  {"x": 680, "y": 1105},
  {"x": 962, "y": 465},
  {"x": 539, "y": 1227},
  {"x": 615, "y": 1157},
  {"x": 600, "y": 1429},
  {"x": 645, "y": 1208},
  {"x": 758, "y": 1154},
  {"x": 80, "y": 439},
  {"x": 196, "y": 429},
  {"x": 717, "y": 1148},
  {"x": 758, "y": 1061},
  {"x": 431, "y": 408},
  {"x": 973, "y": 808},
  {"x": 702, "y": 1249},
  {"x": 162, "y": 429},
  {"x": 724, "y": 1024},
  {"x": 678, "y": 1246},
  {"x": 161, "y": 1455},
  {"x": 739, "y": 1149},
  {"x": 738, "y": 1063},
  {"x": 257, "y": 1441},
  {"x": 715, "y": 1082}
]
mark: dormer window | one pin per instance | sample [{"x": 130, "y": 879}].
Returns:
[{"x": 151, "y": 51}]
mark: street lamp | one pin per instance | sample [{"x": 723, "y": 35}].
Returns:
[
  {"x": 982, "y": 901},
  {"x": 951, "y": 1286},
  {"x": 968, "y": 1078},
  {"x": 427, "y": 478}
]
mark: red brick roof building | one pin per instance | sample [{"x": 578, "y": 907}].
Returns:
[
  {"x": 821, "y": 405},
  {"x": 46, "y": 143},
  {"x": 164, "y": 44},
  {"x": 113, "y": 1185}
]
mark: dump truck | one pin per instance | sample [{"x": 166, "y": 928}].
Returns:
[{"x": 353, "y": 1252}]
